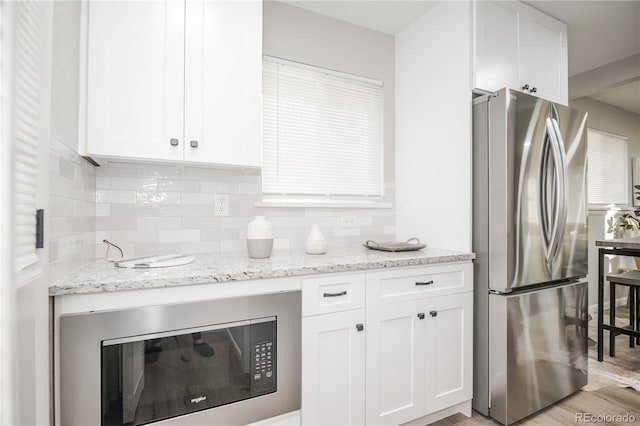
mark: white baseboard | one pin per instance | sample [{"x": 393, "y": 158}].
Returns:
[{"x": 620, "y": 301}]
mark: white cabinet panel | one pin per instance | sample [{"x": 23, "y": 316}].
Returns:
[
  {"x": 395, "y": 375},
  {"x": 223, "y": 66},
  {"x": 448, "y": 351},
  {"x": 519, "y": 47},
  {"x": 415, "y": 283},
  {"x": 333, "y": 369},
  {"x": 497, "y": 49},
  {"x": 135, "y": 79},
  {"x": 332, "y": 293},
  {"x": 543, "y": 42}
]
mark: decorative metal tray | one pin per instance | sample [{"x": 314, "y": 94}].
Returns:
[
  {"x": 155, "y": 261},
  {"x": 395, "y": 245}
]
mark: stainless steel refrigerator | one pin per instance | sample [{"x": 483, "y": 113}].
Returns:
[{"x": 530, "y": 239}]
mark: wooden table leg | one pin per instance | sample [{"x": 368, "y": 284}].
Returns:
[{"x": 600, "y": 302}]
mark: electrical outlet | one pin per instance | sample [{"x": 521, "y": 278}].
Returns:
[
  {"x": 349, "y": 221},
  {"x": 221, "y": 204}
]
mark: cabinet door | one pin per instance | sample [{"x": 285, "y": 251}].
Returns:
[
  {"x": 496, "y": 45},
  {"x": 395, "y": 367},
  {"x": 333, "y": 386},
  {"x": 135, "y": 85},
  {"x": 543, "y": 52},
  {"x": 448, "y": 351},
  {"x": 223, "y": 86}
]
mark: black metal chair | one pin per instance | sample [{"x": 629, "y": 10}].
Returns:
[{"x": 629, "y": 279}]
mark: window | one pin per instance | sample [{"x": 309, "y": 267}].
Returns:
[
  {"x": 322, "y": 134},
  {"x": 608, "y": 168}
]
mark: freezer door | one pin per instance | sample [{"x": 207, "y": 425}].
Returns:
[
  {"x": 537, "y": 191},
  {"x": 538, "y": 349}
]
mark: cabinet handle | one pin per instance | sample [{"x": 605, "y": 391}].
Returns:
[
  {"x": 194, "y": 144},
  {"x": 174, "y": 142},
  {"x": 433, "y": 313},
  {"x": 421, "y": 315},
  {"x": 533, "y": 90},
  {"x": 525, "y": 87},
  {"x": 359, "y": 327},
  {"x": 424, "y": 282},
  {"x": 342, "y": 293}
]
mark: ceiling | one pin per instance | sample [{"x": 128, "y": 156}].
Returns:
[{"x": 599, "y": 32}]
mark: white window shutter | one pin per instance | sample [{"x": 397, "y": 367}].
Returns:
[
  {"x": 25, "y": 140},
  {"x": 323, "y": 132},
  {"x": 608, "y": 168}
]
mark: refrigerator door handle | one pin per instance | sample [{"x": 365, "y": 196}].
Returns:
[{"x": 560, "y": 170}]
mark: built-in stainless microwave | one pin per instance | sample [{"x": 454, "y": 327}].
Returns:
[{"x": 230, "y": 361}]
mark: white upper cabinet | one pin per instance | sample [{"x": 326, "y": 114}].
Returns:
[
  {"x": 517, "y": 46},
  {"x": 223, "y": 85},
  {"x": 135, "y": 79},
  {"x": 169, "y": 80},
  {"x": 543, "y": 56}
]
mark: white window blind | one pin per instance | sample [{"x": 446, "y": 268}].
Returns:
[
  {"x": 608, "y": 168},
  {"x": 322, "y": 132}
]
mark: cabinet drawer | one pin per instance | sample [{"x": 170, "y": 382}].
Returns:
[
  {"x": 332, "y": 293},
  {"x": 415, "y": 283}
]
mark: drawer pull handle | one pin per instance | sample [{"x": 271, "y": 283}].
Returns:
[
  {"x": 174, "y": 142},
  {"x": 359, "y": 327},
  {"x": 433, "y": 313},
  {"x": 424, "y": 282},
  {"x": 342, "y": 293},
  {"x": 421, "y": 315}
]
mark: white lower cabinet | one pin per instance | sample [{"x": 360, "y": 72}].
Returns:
[
  {"x": 448, "y": 351},
  {"x": 395, "y": 368},
  {"x": 418, "y": 356},
  {"x": 333, "y": 364}
]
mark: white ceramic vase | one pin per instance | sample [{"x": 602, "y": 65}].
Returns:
[
  {"x": 259, "y": 238},
  {"x": 316, "y": 243}
]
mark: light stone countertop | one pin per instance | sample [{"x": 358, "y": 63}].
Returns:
[{"x": 102, "y": 276}]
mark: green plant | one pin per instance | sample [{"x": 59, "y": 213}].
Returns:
[{"x": 628, "y": 220}]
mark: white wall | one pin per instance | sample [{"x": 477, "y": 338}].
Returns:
[
  {"x": 621, "y": 122},
  {"x": 72, "y": 181},
  {"x": 433, "y": 128}
]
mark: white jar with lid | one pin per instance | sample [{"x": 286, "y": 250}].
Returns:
[
  {"x": 316, "y": 243},
  {"x": 259, "y": 238}
]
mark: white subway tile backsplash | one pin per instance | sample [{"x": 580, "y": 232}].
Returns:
[
  {"x": 200, "y": 247},
  {"x": 218, "y": 187},
  {"x": 135, "y": 236},
  {"x": 346, "y": 232},
  {"x": 158, "y": 197},
  {"x": 179, "y": 235},
  {"x": 159, "y": 223},
  {"x": 235, "y": 222},
  {"x": 103, "y": 209},
  {"x": 232, "y": 245},
  {"x": 281, "y": 244},
  {"x": 174, "y": 185},
  {"x": 250, "y": 188},
  {"x": 72, "y": 213},
  {"x": 197, "y": 198},
  {"x": 110, "y": 196},
  {"x": 159, "y": 209},
  {"x": 133, "y": 184},
  {"x": 103, "y": 182}
]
